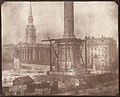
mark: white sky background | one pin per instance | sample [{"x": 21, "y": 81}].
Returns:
[{"x": 90, "y": 18}]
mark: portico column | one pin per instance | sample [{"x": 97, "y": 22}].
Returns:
[
  {"x": 28, "y": 55},
  {"x": 23, "y": 55},
  {"x": 31, "y": 55}
]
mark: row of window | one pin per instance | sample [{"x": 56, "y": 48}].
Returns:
[
  {"x": 98, "y": 41},
  {"x": 98, "y": 55},
  {"x": 97, "y": 49},
  {"x": 102, "y": 60}
]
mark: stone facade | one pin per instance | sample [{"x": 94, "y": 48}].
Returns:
[{"x": 101, "y": 53}]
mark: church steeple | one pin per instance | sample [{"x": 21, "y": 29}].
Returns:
[
  {"x": 30, "y": 35},
  {"x": 30, "y": 18},
  {"x": 30, "y": 12}
]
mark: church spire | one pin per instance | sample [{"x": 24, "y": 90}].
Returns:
[
  {"x": 30, "y": 18},
  {"x": 30, "y": 35},
  {"x": 30, "y": 13}
]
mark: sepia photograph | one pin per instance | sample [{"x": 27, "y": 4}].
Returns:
[{"x": 60, "y": 48}]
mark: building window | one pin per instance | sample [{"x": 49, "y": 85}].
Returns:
[
  {"x": 37, "y": 54},
  {"x": 106, "y": 55},
  {"x": 88, "y": 60},
  {"x": 106, "y": 48},
  {"x": 91, "y": 54},
  {"x": 63, "y": 81}
]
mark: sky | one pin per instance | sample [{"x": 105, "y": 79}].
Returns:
[{"x": 90, "y": 18}]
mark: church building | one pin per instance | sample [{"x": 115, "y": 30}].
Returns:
[{"x": 29, "y": 51}]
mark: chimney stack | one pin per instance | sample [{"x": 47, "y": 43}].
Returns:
[{"x": 68, "y": 19}]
